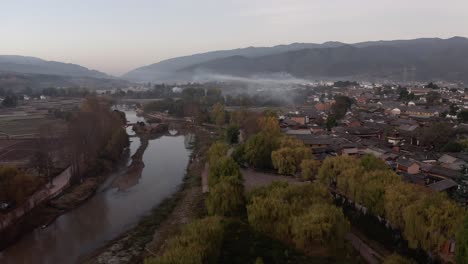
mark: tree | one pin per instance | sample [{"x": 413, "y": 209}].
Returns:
[
  {"x": 10, "y": 101},
  {"x": 218, "y": 115},
  {"x": 452, "y": 147},
  {"x": 226, "y": 198},
  {"x": 309, "y": 169},
  {"x": 341, "y": 106},
  {"x": 284, "y": 161},
  {"x": 15, "y": 185},
  {"x": 232, "y": 134},
  {"x": 321, "y": 224},
  {"x": 199, "y": 242},
  {"x": 397, "y": 259},
  {"x": 216, "y": 151},
  {"x": 289, "y": 156},
  {"x": 461, "y": 252},
  {"x": 303, "y": 214},
  {"x": 431, "y": 221},
  {"x": 258, "y": 149},
  {"x": 224, "y": 166},
  {"x": 399, "y": 196},
  {"x": 331, "y": 123},
  {"x": 436, "y": 135},
  {"x": 333, "y": 167},
  {"x": 431, "y": 85},
  {"x": 372, "y": 163},
  {"x": 269, "y": 124}
]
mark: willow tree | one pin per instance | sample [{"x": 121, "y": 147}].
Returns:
[
  {"x": 199, "y": 242},
  {"x": 397, "y": 197},
  {"x": 309, "y": 168},
  {"x": 371, "y": 190},
  {"x": 258, "y": 149},
  {"x": 271, "y": 209},
  {"x": 432, "y": 221},
  {"x": 289, "y": 156},
  {"x": 224, "y": 166},
  {"x": 217, "y": 150},
  {"x": 226, "y": 198},
  {"x": 333, "y": 167},
  {"x": 322, "y": 224}
]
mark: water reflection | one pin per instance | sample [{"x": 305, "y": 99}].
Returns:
[{"x": 111, "y": 211}]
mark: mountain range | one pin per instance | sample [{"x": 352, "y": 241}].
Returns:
[
  {"x": 400, "y": 60},
  {"x": 32, "y": 65},
  {"x": 404, "y": 60}
]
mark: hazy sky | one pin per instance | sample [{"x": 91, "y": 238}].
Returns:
[{"x": 115, "y": 36}]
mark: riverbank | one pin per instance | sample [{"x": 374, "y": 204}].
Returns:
[{"x": 164, "y": 220}]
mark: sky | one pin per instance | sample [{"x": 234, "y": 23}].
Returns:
[{"x": 116, "y": 36}]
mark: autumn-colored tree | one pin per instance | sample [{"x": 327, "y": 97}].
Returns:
[
  {"x": 199, "y": 243},
  {"x": 226, "y": 198},
  {"x": 269, "y": 124},
  {"x": 309, "y": 169},
  {"x": 15, "y": 185}
]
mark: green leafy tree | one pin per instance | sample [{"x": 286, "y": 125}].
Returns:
[
  {"x": 258, "y": 149},
  {"x": 333, "y": 167},
  {"x": 216, "y": 151},
  {"x": 436, "y": 135},
  {"x": 341, "y": 106},
  {"x": 199, "y": 243},
  {"x": 399, "y": 196},
  {"x": 226, "y": 198},
  {"x": 309, "y": 169},
  {"x": 431, "y": 221},
  {"x": 224, "y": 166},
  {"x": 232, "y": 134},
  {"x": 321, "y": 224}
]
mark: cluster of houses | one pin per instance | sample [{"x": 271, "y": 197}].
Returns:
[{"x": 381, "y": 125}]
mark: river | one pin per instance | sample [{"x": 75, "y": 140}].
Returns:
[{"x": 110, "y": 212}]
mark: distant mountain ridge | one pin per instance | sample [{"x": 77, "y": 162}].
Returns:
[
  {"x": 32, "y": 65},
  {"x": 425, "y": 58}
]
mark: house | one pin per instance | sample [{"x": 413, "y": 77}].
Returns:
[
  {"x": 408, "y": 166},
  {"x": 439, "y": 172},
  {"x": 451, "y": 162},
  {"x": 323, "y": 106},
  {"x": 299, "y": 119},
  {"x": 445, "y": 185}
]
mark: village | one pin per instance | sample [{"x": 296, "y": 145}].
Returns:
[{"x": 422, "y": 140}]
